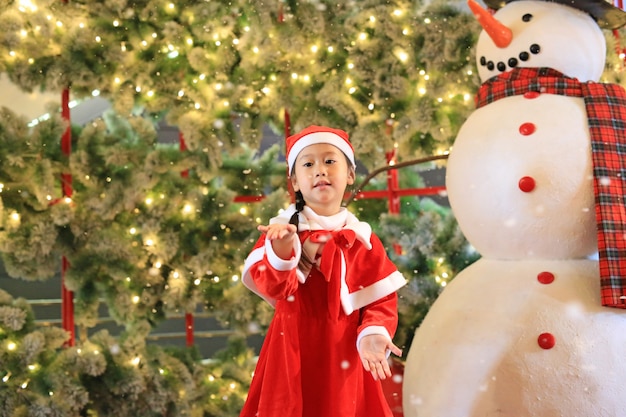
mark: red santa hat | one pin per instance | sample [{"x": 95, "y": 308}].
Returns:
[{"x": 318, "y": 134}]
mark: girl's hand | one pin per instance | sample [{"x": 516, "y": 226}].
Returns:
[
  {"x": 278, "y": 231},
  {"x": 373, "y": 351},
  {"x": 281, "y": 236}
]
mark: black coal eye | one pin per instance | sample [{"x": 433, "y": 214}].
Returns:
[{"x": 527, "y": 17}]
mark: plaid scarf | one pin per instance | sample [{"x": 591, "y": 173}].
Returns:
[{"x": 606, "y": 111}]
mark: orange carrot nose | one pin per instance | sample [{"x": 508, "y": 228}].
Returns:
[{"x": 500, "y": 34}]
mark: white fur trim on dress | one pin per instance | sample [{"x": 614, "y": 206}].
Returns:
[{"x": 374, "y": 292}]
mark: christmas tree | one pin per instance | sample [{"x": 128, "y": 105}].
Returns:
[{"x": 152, "y": 230}]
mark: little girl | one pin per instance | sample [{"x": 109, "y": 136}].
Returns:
[{"x": 334, "y": 292}]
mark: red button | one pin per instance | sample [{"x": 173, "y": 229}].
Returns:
[
  {"x": 527, "y": 184},
  {"x": 531, "y": 94},
  {"x": 527, "y": 129},
  {"x": 546, "y": 341},
  {"x": 545, "y": 277}
]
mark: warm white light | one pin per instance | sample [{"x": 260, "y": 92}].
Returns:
[
  {"x": 26, "y": 5},
  {"x": 402, "y": 56},
  {"x": 135, "y": 299}
]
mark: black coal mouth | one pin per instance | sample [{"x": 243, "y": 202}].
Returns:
[{"x": 513, "y": 61}]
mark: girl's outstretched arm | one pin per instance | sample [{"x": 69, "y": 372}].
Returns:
[{"x": 282, "y": 236}]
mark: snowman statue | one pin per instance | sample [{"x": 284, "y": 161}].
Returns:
[{"x": 536, "y": 179}]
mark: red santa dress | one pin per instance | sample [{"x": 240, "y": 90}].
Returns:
[{"x": 309, "y": 365}]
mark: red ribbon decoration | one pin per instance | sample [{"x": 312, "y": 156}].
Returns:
[
  {"x": 67, "y": 297},
  {"x": 189, "y": 336},
  {"x": 618, "y": 48}
]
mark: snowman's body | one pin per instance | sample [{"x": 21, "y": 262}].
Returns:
[{"x": 521, "y": 332}]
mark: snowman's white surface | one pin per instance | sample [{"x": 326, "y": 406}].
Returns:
[{"x": 477, "y": 352}]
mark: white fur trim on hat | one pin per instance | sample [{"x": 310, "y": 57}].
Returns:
[{"x": 319, "y": 137}]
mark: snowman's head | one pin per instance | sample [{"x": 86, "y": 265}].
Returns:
[{"x": 543, "y": 34}]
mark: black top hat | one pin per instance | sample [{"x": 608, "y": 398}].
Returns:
[{"x": 607, "y": 15}]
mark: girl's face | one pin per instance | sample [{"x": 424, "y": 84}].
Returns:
[{"x": 321, "y": 173}]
